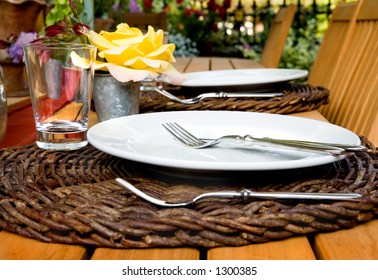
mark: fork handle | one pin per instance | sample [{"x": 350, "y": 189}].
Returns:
[
  {"x": 301, "y": 195},
  {"x": 311, "y": 145},
  {"x": 223, "y": 94},
  {"x": 278, "y": 195}
]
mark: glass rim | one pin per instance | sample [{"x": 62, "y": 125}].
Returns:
[{"x": 58, "y": 45}]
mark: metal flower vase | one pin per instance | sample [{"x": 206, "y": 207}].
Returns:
[{"x": 113, "y": 99}]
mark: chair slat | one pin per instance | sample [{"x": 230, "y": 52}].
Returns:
[
  {"x": 323, "y": 69},
  {"x": 277, "y": 36}
]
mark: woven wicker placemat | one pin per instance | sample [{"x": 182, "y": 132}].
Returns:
[
  {"x": 296, "y": 98},
  {"x": 71, "y": 197}
]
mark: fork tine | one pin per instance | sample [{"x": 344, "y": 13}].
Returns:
[
  {"x": 183, "y": 135},
  {"x": 175, "y": 134},
  {"x": 188, "y": 135}
]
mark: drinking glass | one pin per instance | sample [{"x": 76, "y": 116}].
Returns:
[
  {"x": 3, "y": 107},
  {"x": 60, "y": 79}
]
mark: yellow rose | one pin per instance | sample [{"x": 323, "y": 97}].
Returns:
[{"x": 128, "y": 54}]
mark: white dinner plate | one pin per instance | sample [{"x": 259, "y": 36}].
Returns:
[
  {"x": 142, "y": 138},
  {"x": 242, "y": 77}
]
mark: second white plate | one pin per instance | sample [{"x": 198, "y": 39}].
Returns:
[
  {"x": 142, "y": 138},
  {"x": 242, "y": 77}
]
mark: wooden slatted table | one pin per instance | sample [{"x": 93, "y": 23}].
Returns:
[{"x": 359, "y": 242}]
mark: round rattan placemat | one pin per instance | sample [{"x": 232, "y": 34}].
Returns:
[{"x": 71, "y": 197}]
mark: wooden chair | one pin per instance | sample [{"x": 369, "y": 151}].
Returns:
[
  {"x": 353, "y": 81},
  {"x": 143, "y": 20},
  {"x": 277, "y": 36}
]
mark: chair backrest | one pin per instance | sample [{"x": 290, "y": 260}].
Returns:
[
  {"x": 354, "y": 83},
  {"x": 143, "y": 20},
  {"x": 277, "y": 36},
  {"x": 327, "y": 58}
]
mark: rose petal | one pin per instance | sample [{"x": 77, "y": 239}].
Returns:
[
  {"x": 99, "y": 41},
  {"x": 144, "y": 63},
  {"x": 173, "y": 76},
  {"x": 80, "y": 61},
  {"x": 128, "y": 41},
  {"x": 120, "y": 56},
  {"x": 165, "y": 52},
  {"x": 123, "y": 31},
  {"x": 124, "y": 74},
  {"x": 100, "y": 65}
]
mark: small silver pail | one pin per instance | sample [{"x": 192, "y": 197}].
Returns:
[{"x": 113, "y": 99}]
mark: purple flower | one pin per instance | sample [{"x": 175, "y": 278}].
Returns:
[
  {"x": 115, "y": 7},
  {"x": 134, "y": 7},
  {"x": 16, "y": 51}
]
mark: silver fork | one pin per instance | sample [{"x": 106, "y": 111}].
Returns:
[
  {"x": 192, "y": 141},
  {"x": 220, "y": 94},
  {"x": 243, "y": 194}
]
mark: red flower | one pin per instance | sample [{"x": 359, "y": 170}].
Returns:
[
  {"x": 81, "y": 29},
  {"x": 211, "y": 5},
  {"x": 227, "y": 4},
  {"x": 147, "y": 5},
  {"x": 222, "y": 11},
  {"x": 54, "y": 30},
  {"x": 188, "y": 12}
]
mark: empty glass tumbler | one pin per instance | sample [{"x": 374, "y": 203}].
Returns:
[
  {"x": 60, "y": 79},
  {"x": 3, "y": 107}
]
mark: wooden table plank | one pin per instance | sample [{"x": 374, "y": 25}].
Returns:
[
  {"x": 181, "y": 63},
  {"x": 240, "y": 63},
  {"x": 15, "y": 103},
  {"x": 17, "y": 247},
  {"x": 295, "y": 248},
  {"x": 221, "y": 63},
  {"x": 146, "y": 254},
  {"x": 198, "y": 64},
  {"x": 314, "y": 115},
  {"x": 358, "y": 243}
]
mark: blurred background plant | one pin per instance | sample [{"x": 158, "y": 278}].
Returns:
[
  {"x": 236, "y": 28},
  {"x": 232, "y": 28},
  {"x": 103, "y": 8},
  {"x": 185, "y": 47},
  {"x": 58, "y": 10}
]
